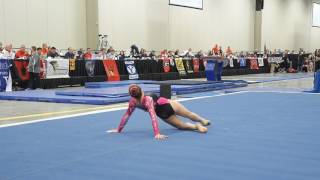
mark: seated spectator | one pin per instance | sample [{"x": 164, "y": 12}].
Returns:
[
  {"x": 144, "y": 54},
  {"x": 111, "y": 53},
  {"x": 69, "y": 54},
  {"x": 1, "y": 48},
  {"x": 80, "y": 54},
  {"x": 122, "y": 55},
  {"x": 188, "y": 53},
  {"x": 22, "y": 53},
  {"x": 177, "y": 53},
  {"x": 88, "y": 54},
  {"x": 200, "y": 54},
  {"x": 153, "y": 55},
  {"x": 53, "y": 53},
  {"x": 7, "y": 52}
]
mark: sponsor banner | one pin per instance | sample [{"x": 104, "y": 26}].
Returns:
[
  {"x": 111, "y": 69},
  {"x": 4, "y": 74},
  {"x": 57, "y": 68},
  {"x": 188, "y": 65},
  {"x": 90, "y": 66},
  {"x": 254, "y": 64},
  {"x": 22, "y": 69},
  {"x": 196, "y": 65},
  {"x": 72, "y": 64},
  {"x": 166, "y": 65},
  {"x": 132, "y": 71},
  {"x": 180, "y": 66},
  {"x": 260, "y": 62},
  {"x": 242, "y": 62}
]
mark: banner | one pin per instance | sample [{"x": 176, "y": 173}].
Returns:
[
  {"x": 260, "y": 62},
  {"x": 166, "y": 65},
  {"x": 231, "y": 62},
  {"x": 4, "y": 74},
  {"x": 22, "y": 69},
  {"x": 43, "y": 69},
  {"x": 196, "y": 65},
  {"x": 254, "y": 64},
  {"x": 90, "y": 66},
  {"x": 57, "y": 68},
  {"x": 242, "y": 62},
  {"x": 131, "y": 68},
  {"x": 72, "y": 64},
  {"x": 111, "y": 69},
  {"x": 180, "y": 66},
  {"x": 188, "y": 66}
]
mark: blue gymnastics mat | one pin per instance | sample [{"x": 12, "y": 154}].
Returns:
[
  {"x": 259, "y": 136},
  {"x": 112, "y": 92},
  {"x": 114, "y": 83},
  {"x": 50, "y": 96}
]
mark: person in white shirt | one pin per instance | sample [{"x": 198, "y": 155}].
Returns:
[{"x": 8, "y": 52}]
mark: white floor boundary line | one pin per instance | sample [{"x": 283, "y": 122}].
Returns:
[{"x": 107, "y": 110}]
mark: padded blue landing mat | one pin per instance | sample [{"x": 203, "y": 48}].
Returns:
[
  {"x": 50, "y": 96},
  {"x": 114, "y": 83},
  {"x": 112, "y": 92},
  {"x": 259, "y": 136}
]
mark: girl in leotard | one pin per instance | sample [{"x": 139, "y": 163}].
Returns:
[{"x": 164, "y": 108}]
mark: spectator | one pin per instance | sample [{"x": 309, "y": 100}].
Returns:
[
  {"x": 177, "y": 53},
  {"x": 69, "y": 54},
  {"x": 143, "y": 54},
  {"x": 215, "y": 49},
  {"x": 80, "y": 53},
  {"x": 88, "y": 54},
  {"x": 153, "y": 55},
  {"x": 22, "y": 53},
  {"x": 1, "y": 48},
  {"x": 7, "y": 52},
  {"x": 188, "y": 53},
  {"x": 229, "y": 51},
  {"x": 34, "y": 68},
  {"x": 134, "y": 51},
  {"x": 121, "y": 55},
  {"x": 111, "y": 54},
  {"x": 53, "y": 53},
  {"x": 44, "y": 51}
]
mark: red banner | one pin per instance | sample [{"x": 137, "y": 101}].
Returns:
[
  {"x": 196, "y": 65},
  {"x": 166, "y": 65},
  {"x": 111, "y": 69},
  {"x": 22, "y": 69},
  {"x": 254, "y": 64}
]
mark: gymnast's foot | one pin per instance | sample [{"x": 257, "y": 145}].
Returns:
[
  {"x": 205, "y": 122},
  {"x": 201, "y": 128}
]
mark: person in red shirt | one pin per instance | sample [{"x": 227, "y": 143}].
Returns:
[
  {"x": 88, "y": 54},
  {"x": 44, "y": 50},
  {"x": 22, "y": 53},
  {"x": 164, "y": 108},
  {"x": 229, "y": 51}
]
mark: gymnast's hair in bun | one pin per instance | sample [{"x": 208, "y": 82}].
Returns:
[{"x": 135, "y": 91}]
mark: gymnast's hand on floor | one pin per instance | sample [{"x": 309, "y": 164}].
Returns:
[
  {"x": 160, "y": 137},
  {"x": 113, "y": 131}
]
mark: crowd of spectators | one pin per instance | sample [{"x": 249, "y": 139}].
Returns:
[{"x": 135, "y": 52}]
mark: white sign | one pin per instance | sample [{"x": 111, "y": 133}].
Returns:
[
  {"x": 57, "y": 68},
  {"x": 198, "y": 4}
]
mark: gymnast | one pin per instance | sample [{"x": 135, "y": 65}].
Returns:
[{"x": 164, "y": 108}]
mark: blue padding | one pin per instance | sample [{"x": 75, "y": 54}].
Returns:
[
  {"x": 111, "y": 92},
  {"x": 50, "y": 96},
  {"x": 244, "y": 143},
  {"x": 113, "y": 83},
  {"x": 316, "y": 87}
]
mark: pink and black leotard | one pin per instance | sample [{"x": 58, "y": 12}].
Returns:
[{"x": 156, "y": 106}]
